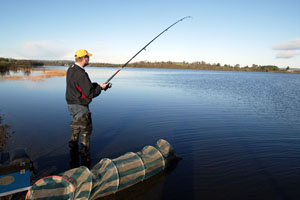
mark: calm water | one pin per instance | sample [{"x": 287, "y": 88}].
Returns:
[{"x": 237, "y": 132}]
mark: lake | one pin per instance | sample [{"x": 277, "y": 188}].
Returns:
[{"x": 237, "y": 132}]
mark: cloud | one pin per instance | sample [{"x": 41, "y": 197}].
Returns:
[
  {"x": 290, "y": 45},
  {"x": 288, "y": 49},
  {"x": 45, "y": 50},
  {"x": 287, "y": 54}
]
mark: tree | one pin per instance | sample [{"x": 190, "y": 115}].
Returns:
[{"x": 254, "y": 66}]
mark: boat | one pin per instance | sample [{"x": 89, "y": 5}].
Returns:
[{"x": 15, "y": 172}]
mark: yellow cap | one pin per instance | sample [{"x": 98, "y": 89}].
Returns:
[{"x": 82, "y": 52}]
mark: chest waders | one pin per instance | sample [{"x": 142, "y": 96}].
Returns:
[{"x": 84, "y": 126}]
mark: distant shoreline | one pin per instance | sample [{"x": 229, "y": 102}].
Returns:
[{"x": 13, "y": 64}]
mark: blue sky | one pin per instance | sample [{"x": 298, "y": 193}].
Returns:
[{"x": 245, "y": 32}]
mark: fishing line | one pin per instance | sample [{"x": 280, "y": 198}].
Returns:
[{"x": 144, "y": 48}]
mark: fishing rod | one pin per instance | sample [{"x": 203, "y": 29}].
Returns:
[{"x": 144, "y": 48}]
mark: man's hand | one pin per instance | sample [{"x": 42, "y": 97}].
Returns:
[{"x": 105, "y": 86}]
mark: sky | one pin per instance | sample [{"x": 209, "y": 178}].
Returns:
[{"x": 244, "y": 32}]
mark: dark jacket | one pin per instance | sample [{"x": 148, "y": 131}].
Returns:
[{"x": 80, "y": 89}]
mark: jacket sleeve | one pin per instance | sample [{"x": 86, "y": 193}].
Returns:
[
  {"x": 89, "y": 89},
  {"x": 96, "y": 90}
]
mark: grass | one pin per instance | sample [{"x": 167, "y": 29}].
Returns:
[{"x": 46, "y": 73}]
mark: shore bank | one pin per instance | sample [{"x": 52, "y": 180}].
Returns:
[{"x": 14, "y": 64}]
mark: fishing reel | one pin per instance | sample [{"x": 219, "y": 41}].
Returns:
[{"x": 109, "y": 85}]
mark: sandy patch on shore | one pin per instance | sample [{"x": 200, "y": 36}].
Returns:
[{"x": 46, "y": 73}]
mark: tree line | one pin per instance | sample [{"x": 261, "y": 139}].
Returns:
[
  {"x": 206, "y": 66},
  {"x": 8, "y": 64}
]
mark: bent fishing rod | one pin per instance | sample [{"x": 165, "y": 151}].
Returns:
[{"x": 144, "y": 48}]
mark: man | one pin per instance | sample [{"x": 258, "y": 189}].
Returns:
[{"x": 79, "y": 93}]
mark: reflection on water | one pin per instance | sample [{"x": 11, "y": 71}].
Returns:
[
  {"x": 237, "y": 132},
  {"x": 4, "y": 135}
]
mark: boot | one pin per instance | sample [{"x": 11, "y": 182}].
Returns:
[
  {"x": 75, "y": 130},
  {"x": 85, "y": 144},
  {"x": 74, "y": 157},
  {"x": 85, "y": 124},
  {"x": 86, "y": 160}
]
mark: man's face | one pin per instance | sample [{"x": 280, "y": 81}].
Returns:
[{"x": 86, "y": 60}]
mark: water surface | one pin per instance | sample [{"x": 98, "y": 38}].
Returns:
[{"x": 237, "y": 132}]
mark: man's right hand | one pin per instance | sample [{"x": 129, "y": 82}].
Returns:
[{"x": 105, "y": 86}]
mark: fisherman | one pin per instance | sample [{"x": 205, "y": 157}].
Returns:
[{"x": 79, "y": 93}]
